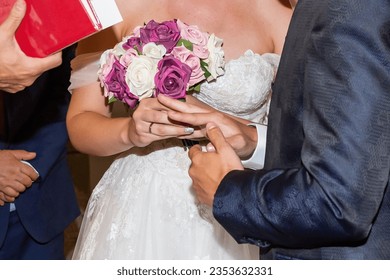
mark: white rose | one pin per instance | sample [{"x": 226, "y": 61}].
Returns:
[
  {"x": 140, "y": 76},
  {"x": 154, "y": 51},
  {"x": 118, "y": 50},
  {"x": 216, "y": 59},
  {"x": 104, "y": 57},
  {"x": 136, "y": 31},
  {"x": 106, "y": 61}
]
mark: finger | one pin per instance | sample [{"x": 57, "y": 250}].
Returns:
[
  {"x": 26, "y": 181},
  {"x": 153, "y": 112},
  {"x": 194, "y": 150},
  {"x": 194, "y": 119},
  {"x": 2, "y": 199},
  {"x": 11, "y": 88},
  {"x": 48, "y": 62},
  {"x": 23, "y": 155},
  {"x": 166, "y": 101},
  {"x": 30, "y": 173},
  {"x": 178, "y": 105},
  {"x": 11, "y": 192},
  {"x": 153, "y": 104},
  {"x": 9, "y": 198},
  {"x": 197, "y": 135},
  {"x": 15, "y": 17},
  {"x": 6, "y": 198},
  {"x": 169, "y": 130},
  {"x": 216, "y": 137},
  {"x": 144, "y": 115},
  {"x": 157, "y": 123},
  {"x": 210, "y": 147},
  {"x": 17, "y": 186}
]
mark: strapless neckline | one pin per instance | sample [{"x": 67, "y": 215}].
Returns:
[{"x": 244, "y": 90}]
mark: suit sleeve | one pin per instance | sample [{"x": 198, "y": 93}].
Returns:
[{"x": 333, "y": 195}]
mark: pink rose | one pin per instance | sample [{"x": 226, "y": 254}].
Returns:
[
  {"x": 198, "y": 38},
  {"x": 165, "y": 33},
  {"x": 189, "y": 58},
  {"x": 127, "y": 58},
  {"x": 172, "y": 78},
  {"x": 107, "y": 59}
]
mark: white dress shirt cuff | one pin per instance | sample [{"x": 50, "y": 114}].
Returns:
[
  {"x": 12, "y": 207},
  {"x": 256, "y": 161}
]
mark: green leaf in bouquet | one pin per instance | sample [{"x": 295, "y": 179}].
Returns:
[
  {"x": 187, "y": 44},
  {"x": 112, "y": 100},
  {"x": 195, "y": 88},
  {"x": 203, "y": 66}
]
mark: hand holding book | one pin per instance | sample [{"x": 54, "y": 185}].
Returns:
[
  {"x": 50, "y": 26},
  {"x": 17, "y": 70}
]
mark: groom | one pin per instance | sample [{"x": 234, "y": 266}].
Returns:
[
  {"x": 324, "y": 191},
  {"x": 34, "y": 209}
]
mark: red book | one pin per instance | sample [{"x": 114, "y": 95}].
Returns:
[{"x": 51, "y": 25}]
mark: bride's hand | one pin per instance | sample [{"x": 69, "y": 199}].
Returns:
[
  {"x": 241, "y": 137},
  {"x": 150, "y": 123}
]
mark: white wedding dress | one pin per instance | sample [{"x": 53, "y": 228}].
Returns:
[{"x": 144, "y": 208}]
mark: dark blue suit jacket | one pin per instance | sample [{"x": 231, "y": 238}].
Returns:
[
  {"x": 36, "y": 122},
  {"x": 324, "y": 192}
]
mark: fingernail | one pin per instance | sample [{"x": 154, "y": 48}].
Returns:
[
  {"x": 189, "y": 130},
  {"x": 210, "y": 126},
  {"x": 210, "y": 148}
]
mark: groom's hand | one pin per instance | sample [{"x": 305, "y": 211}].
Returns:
[
  {"x": 241, "y": 137},
  {"x": 15, "y": 176},
  {"x": 209, "y": 168}
]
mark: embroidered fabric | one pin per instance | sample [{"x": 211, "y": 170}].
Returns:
[{"x": 144, "y": 208}]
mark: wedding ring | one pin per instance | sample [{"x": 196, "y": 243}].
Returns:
[{"x": 150, "y": 127}]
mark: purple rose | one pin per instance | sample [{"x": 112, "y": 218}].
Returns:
[
  {"x": 116, "y": 85},
  {"x": 133, "y": 43},
  {"x": 166, "y": 33},
  {"x": 186, "y": 56},
  {"x": 172, "y": 78}
]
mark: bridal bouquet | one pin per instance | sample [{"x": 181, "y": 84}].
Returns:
[{"x": 170, "y": 58}]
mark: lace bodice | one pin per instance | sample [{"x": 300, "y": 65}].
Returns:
[{"x": 244, "y": 89}]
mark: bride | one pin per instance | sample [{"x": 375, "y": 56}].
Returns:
[{"x": 143, "y": 207}]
